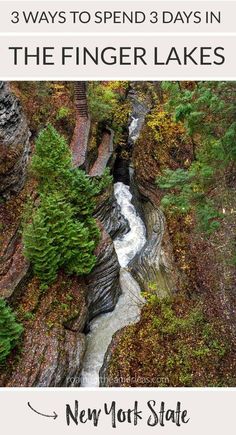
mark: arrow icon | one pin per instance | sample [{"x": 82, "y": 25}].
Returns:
[{"x": 54, "y": 416}]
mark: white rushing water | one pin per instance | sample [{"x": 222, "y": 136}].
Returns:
[
  {"x": 133, "y": 129},
  {"x": 132, "y": 242},
  {"x": 129, "y": 304}
]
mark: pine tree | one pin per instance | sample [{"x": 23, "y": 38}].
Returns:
[
  {"x": 62, "y": 232},
  {"x": 51, "y": 160},
  {"x": 208, "y": 112},
  {"x": 55, "y": 239},
  {"x": 10, "y": 331},
  {"x": 40, "y": 248},
  {"x": 78, "y": 252}
]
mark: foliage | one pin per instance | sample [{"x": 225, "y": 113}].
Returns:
[
  {"x": 173, "y": 345},
  {"x": 63, "y": 113},
  {"x": 206, "y": 346},
  {"x": 164, "y": 140},
  {"x": 189, "y": 188},
  {"x": 103, "y": 182},
  {"x": 48, "y": 102},
  {"x": 208, "y": 113},
  {"x": 51, "y": 161},
  {"x": 55, "y": 238},
  {"x": 208, "y": 110},
  {"x": 101, "y": 101},
  {"x": 10, "y": 331},
  {"x": 62, "y": 231},
  {"x": 165, "y": 129},
  {"x": 107, "y": 104}
]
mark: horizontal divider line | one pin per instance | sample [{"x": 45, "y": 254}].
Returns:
[{"x": 146, "y": 34}]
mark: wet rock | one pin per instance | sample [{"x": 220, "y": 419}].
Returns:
[
  {"x": 140, "y": 110},
  {"x": 79, "y": 144},
  {"x": 153, "y": 264},
  {"x": 103, "y": 283},
  {"x": 105, "y": 154},
  {"x": 14, "y": 268},
  {"x": 51, "y": 353},
  {"x": 65, "y": 354},
  {"x": 79, "y": 323},
  {"x": 104, "y": 377},
  {"x": 14, "y": 143},
  {"x": 53, "y": 362},
  {"x": 121, "y": 170},
  {"x": 108, "y": 212}
]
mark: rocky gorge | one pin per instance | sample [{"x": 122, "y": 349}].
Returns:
[{"x": 75, "y": 330}]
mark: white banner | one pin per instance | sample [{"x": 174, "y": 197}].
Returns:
[
  {"x": 93, "y": 40},
  {"x": 117, "y": 57},
  {"x": 119, "y": 411},
  {"x": 113, "y": 16}
]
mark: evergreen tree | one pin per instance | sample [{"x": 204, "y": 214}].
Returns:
[
  {"x": 40, "y": 248},
  {"x": 62, "y": 232},
  {"x": 51, "y": 160},
  {"x": 10, "y": 331},
  {"x": 208, "y": 111},
  {"x": 56, "y": 238}
]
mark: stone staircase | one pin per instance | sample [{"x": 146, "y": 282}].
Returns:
[{"x": 81, "y": 100}]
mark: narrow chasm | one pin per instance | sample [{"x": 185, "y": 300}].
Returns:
[
  {"x": 128, "y": 307},
  {"x": 117, "y": 234}
]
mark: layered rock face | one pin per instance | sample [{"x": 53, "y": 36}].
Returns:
[
  {"x": 105, "y": 153},
  {"x": 14, "y": 268},
  {"x": 103, "y": 288},
  {"x": 108, "y": 212},
  {"x": 53, "y": 348},
  {"x": 154, "y": 264},
  {"x": 14, "y": 143},
  {"x": 14, "y": 150},
  {"x": 103, "y": 283},
  {"x": 54, "y": 342}
]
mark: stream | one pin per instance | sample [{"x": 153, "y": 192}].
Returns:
[{"x": 128, "y": 307}]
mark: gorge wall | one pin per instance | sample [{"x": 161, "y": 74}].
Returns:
[
  {"x": 14, "y": 143},
  {"x": 174, "y": 260},
  {"x": 54, "y": 342}
]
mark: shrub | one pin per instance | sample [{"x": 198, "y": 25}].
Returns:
[
  {"x": 10, "y": 331},
  {"x": 63, "y": 113}
]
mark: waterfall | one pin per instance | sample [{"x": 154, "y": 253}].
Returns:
[
  {"x": 130, "y": 244},
  {"x": 129, "y": 304},
  {"x": 134, "y": 129}
]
